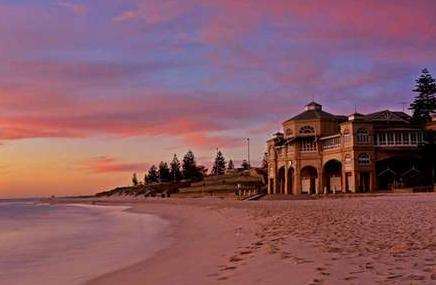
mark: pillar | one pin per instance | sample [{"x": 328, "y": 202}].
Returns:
[
  {"x": 297, "y": 179},
  {"x": 355, "y": 180},
  {"x": 320, "y": 186},
  {"x": 286, "y": 178},
  {"x": 343, "y": 182},
  {"x": 372, "y": 180}
]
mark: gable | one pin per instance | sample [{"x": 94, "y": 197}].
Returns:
[{"x": 388, "y": 116}]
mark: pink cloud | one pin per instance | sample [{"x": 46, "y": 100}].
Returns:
[
  {"x": 106, "y": 164},
  {"x": 78, "y": 9},
  {"x": 205, "y": 140},
  {"x": 154, "y": 11}
]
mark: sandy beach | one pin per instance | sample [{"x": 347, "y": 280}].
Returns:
[{"x": 381, "y": 239}]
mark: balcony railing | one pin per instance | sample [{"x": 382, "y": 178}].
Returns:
[
  {"x": 331, "y": 143},
  {"x": 398, "y": 139}
]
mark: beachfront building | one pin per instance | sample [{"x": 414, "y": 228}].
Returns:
[{"x": 319, "y": 152}]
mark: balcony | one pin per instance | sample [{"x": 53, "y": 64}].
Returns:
[
  {"x": 398, "y": 139},
  {"x": 333, "y": 142}
]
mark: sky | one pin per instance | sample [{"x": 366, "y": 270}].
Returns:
[{"x": 92, "y": 91}]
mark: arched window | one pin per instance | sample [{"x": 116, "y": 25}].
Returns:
[
  {"x": 362, "y": 135},
  {"x": 307, "y": 130},
  {"x": 363, "y": 159}
]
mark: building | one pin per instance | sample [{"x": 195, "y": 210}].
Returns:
[{"x": 320, "y": 152}]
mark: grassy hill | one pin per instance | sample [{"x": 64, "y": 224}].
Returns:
[
  {"x": 221, "y": 186},
  {"x": 154, "y": 189}
]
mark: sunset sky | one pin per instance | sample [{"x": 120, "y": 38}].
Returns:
[{"x": 92, "y": 91}]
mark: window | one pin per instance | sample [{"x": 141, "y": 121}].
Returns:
[
  {"x": 362, "y": 135},
  {"x": 363, "y": 159},
  {"x": 420, "y": 138},
  {"x": 398, "y": 138},
  {"x": 406, "y": 138},
  {"x": 413, "y": 138},
  {"x": 382, "y": 139},
  {"x": 390, "y": 138},
  {"x": 307, "y": 130}
]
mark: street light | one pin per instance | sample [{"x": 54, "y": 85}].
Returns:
[{"x": 248, "y": 150}]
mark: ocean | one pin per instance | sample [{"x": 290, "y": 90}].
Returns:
[{"x": 70, "y": 244}]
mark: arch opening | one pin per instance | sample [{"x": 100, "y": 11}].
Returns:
[
  {"x": 281, "y": 181},
  {"x": 309, "y": 180},
  {"x": 401, "y": 172},
  {"x": 290, "y": 180},
  {"x": 332, "y": 176}
]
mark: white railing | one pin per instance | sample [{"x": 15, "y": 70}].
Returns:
[
  {"x": 398, "y": 139},
  {"x": 308, "y": 145},
  {"x": 331, "y": 143}
]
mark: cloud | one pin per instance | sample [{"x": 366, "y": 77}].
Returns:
[
  {"x": 205, "y": 140},
  {"x": 155, "y": 11},
  {"x": 126, "y": 16},
  {"x": 106, "y": 164},
  {"x": 239, "y": 64},
  {"x": 78, "y": 9}
]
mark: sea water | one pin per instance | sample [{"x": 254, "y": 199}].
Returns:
[{"x": 70, "y": 244}]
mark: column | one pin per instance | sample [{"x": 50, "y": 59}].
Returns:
[
  {"x": 372, "y": 179},
  {"x": 297, "y": 180},
  {"x": 343, "y": 182},
  {"x": 356, "y": 181},
  {"x": 275, "y": 184},
  {"x": 320, "y": 186},
  {"x": 286, "y": 178}
]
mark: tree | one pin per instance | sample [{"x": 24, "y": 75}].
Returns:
[
  {"x": 230, "y": 165},
  {"x": 135, "y": 181},
  {"x": 264, "y": 164},
  {"x": 189, "y": 167},
  {"x": 175, "y": 172},
  {"x": 153, "y": 175},
  {"x": 424, "y": 103},
  {"x": 145, "y": 179},
  {"x": 219, "y": 165},
  {"x": 245, "y": 165},
  {"x": 164, "y": 172}
]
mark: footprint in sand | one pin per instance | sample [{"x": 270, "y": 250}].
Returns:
[
  {"x": 244, "y": 252},
  {"x": 235, "y": 259},
  {"x": 229, "y": 268}
]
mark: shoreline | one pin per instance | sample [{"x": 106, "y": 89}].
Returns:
[{"x": 355, "y": 240}]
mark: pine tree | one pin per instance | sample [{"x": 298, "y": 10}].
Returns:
[
  {"x": 230, "y": 165},
  {"x": 135, "y": 180},
  {"x": 219, "y": 165},
  {"x": 189, "y": 167},
  {"x": 164, "y": 172},
  {"x": 425, "y": 102},
  {"x": 245, "y": 165},
  {"x": 264, "y": 162},
  {"x": 153, "y": 175},
  {"x": 175, "y": 172},
  {"x": 145, "y": 179}
]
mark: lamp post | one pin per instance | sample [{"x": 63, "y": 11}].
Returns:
[{"x": 248, "y": 151}]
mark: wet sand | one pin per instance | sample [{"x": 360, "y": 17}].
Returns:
[{"x": 387, "y": 239}]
